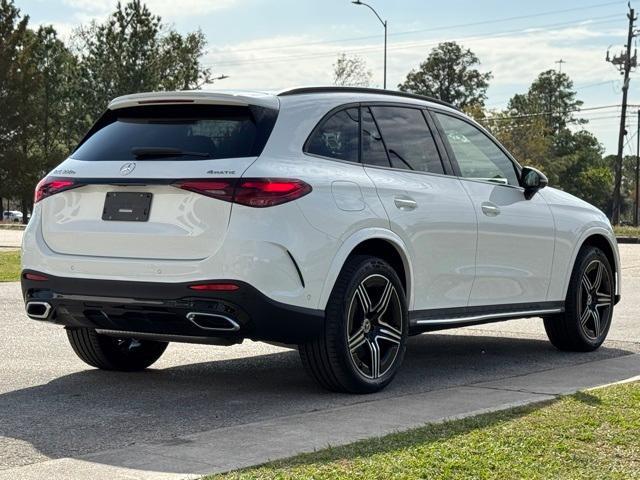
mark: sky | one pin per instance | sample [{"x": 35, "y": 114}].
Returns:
[{"x": 274, "y": 44}]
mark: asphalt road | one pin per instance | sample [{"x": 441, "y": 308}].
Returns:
[{"x": 52, "y": 405}]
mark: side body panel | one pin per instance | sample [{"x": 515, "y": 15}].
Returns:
[
  {"x": 440, "y": 233},
  {"x": 516, "y": 240},
  {"x": 575, "y": 222}
]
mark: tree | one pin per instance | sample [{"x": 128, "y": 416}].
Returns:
[
  {"x": 12, "y": 33},
  {"x": 552, "y": 97},
  {"x": 449, "y": 74},
  {"x": 351, "y": 71},
  {"x": 134, "y": 52}
]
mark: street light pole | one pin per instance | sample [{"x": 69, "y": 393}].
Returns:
[{"x": 384, "y": 24}]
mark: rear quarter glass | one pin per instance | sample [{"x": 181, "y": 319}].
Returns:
[{"x": 197, "y": 131}]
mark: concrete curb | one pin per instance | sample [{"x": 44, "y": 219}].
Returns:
[
  {"x": 230, "y": 448},
  {"x": 628, "y": 239}
]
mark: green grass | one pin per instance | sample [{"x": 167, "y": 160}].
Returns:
[
  {"x": 10, "y": 266},
  {"x": 627, "y": 231},
  {"x": 592, "y": 435}
]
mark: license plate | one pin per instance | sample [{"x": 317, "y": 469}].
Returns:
[{"x": 127, "y": 206}]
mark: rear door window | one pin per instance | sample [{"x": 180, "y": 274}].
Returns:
[
  {"x": 178, "y": 132},
  {"x": 408, "y": 139},
  {"x": 373, "y": 151},
  {"x": 337, "y": 137}
]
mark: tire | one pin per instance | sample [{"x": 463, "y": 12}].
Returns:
[
  {"x": 361, "y": 349},
  {"x": 111, "y": 353},
  {"x": 585, "y": 323}
]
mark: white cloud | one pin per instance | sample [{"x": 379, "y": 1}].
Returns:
[
  {"x": 164, "y": 8},
  {"x": 515, "y": 60}
]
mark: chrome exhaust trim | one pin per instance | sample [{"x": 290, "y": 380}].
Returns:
[
  {"x": 38, "y": 310},
  {"x": 193, "y": 317}
]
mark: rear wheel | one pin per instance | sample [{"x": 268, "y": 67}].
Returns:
[
  {"x": 365, "y": 333},
  {"x": 585, "y": 323},
  {"x": 112, "y": 353}
]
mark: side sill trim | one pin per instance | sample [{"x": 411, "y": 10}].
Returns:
[{"x": 488, "y": 316}]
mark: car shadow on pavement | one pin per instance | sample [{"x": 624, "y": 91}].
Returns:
[{"x": 92, "y": 410}]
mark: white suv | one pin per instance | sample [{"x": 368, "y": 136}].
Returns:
[{"x": 341, "y": 220}]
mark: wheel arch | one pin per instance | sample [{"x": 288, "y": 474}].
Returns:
[
  {"x": 377, "y": 242},
  {"x": 604, "y": 240}
]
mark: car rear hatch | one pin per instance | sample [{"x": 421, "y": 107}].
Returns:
[{"x": 136, "y": 187}]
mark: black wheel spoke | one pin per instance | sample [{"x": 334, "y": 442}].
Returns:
[
  {"x": 375, "y": 358},
  {"x": 357, "y": 340},
  {"x": 598, "y": 281},
  {"x": 596, "y": 322},
  {"x": 385, "y": 298},
  {"x": 363, "y": 297}
]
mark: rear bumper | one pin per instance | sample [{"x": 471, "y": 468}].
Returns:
[{"x": 163, "y": 309}]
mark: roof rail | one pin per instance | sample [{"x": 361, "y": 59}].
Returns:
[{"x": 376, "y": 91}]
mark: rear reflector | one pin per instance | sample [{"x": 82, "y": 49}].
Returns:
[
  {"x": 215, "y": 287},
  {"x": 251, "y": 192},
  {"x": 36, "y": 277},
  {"x": 51, "y": 185}
]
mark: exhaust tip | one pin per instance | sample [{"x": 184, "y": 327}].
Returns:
[
  {"x": 38, "y": 310},
  {"x": 213, "y": 321}
]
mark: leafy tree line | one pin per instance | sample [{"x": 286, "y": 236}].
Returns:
[
  {"x": 540, "y": 127},
  {"x": 52, "y": 91}
]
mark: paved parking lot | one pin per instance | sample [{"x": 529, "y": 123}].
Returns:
[{"x": 53, "y": 406}]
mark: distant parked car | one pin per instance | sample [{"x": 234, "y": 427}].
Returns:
[
  {"x": 12, "y": 216},
  {"x": 340, "y": 220}
]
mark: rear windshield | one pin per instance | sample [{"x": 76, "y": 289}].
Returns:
[{"x": 178, "y": 132}]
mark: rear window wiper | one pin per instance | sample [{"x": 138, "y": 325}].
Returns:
[{"x": 157, "y": 152}]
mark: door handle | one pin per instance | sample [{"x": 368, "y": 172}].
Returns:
[
  {"x": 490, "y": 210},
  {"x": 404, "y": 203}
]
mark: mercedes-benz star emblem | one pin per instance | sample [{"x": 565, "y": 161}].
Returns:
[{"x": 127, "y": 168}]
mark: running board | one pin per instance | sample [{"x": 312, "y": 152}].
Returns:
[{"x": 438, "y": 319}]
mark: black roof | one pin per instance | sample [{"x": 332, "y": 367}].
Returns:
[{"x": 376, "y": 91}]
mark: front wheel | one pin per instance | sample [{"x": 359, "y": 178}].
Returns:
[
  {"x": 366, "y": 327},
  {"x": 585, "y": 323},
  {"x": 112, "y": 353}
]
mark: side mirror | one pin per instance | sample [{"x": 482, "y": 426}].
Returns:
[{"x": 532, "y": 180}]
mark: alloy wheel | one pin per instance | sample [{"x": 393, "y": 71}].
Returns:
[
  {"x": 595, "y": 300},
  {"x": 375, "y": 326}
]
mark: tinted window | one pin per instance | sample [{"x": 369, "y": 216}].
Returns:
[
  {"x": 373, "y": 152},
  {"x": 196, "y": 131},
  {"x": 477, "y": 155},
  {"x": 337, "y": 137},
  {"x": 408, "y": 139}
]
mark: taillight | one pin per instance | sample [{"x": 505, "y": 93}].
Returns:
[
  {"x": 51, "y": 185},
  {"x": 220, "y": 189},
  {"x": 267, "y": 192},
  {"x": 251, "y": 192}
]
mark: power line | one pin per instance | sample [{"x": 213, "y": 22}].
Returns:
[
  {"x": 543, "y": 114},
  {"x": 528, "y": 30},
  {"x": 424, "y": 30}
]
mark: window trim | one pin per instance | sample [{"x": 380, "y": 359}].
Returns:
[{"x": 458, "y": 173}]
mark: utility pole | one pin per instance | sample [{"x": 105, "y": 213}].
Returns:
[
  {"x": 560, "y": 62},
  {"x": 625, "y": 62},
  {"x": 636, "y": 212}
]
